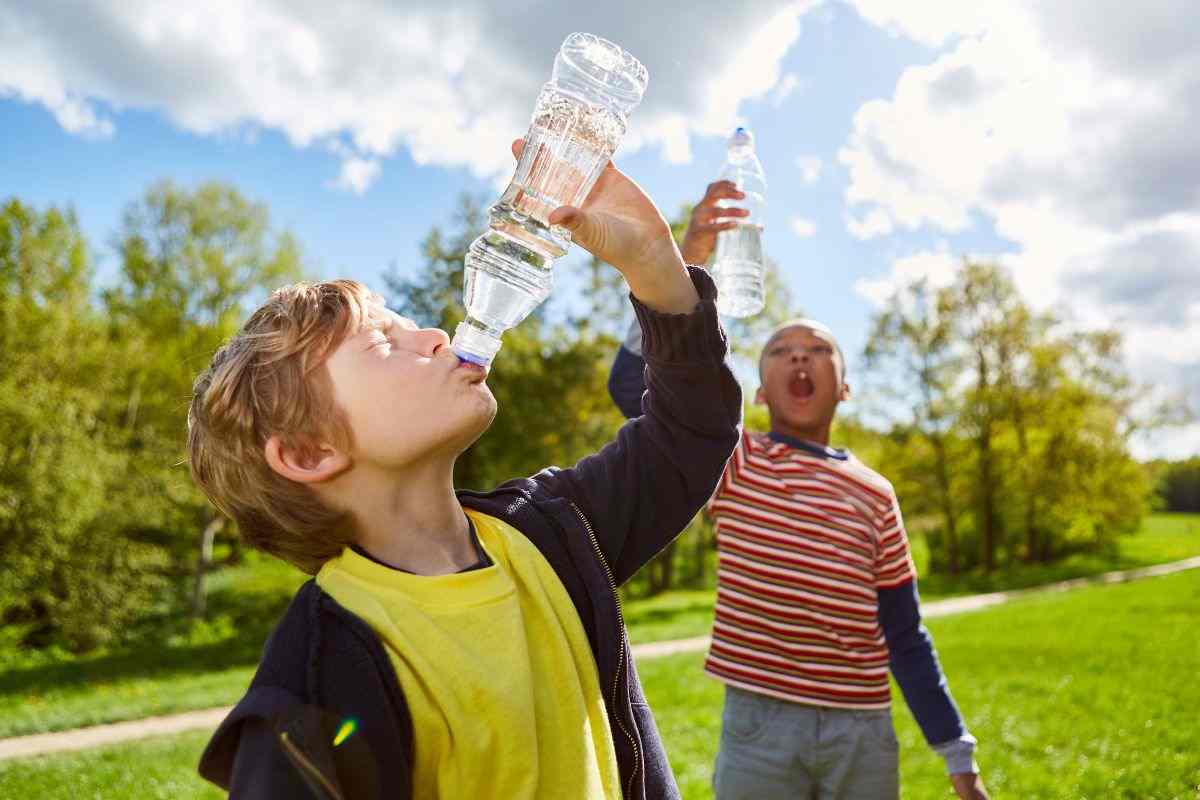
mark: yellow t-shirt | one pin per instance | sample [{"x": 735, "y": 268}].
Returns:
[{"x": 495, "y": 665}]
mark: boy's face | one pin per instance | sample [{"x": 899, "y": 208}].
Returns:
[
  {"x": 801, "y": 374},
  {"x": 405, "y": 394}
]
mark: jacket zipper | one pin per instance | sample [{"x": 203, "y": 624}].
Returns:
[
  {"x": 305, "y": 765},
  {"x": 637, "y": 753}
]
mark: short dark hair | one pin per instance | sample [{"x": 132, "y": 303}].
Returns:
[{"x": 811, "y": 324}]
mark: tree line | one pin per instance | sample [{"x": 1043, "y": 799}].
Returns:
[{"x": 1005, "y": 432}]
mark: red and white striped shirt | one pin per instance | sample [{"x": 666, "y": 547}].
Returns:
[{"x": 804, "y": 540}]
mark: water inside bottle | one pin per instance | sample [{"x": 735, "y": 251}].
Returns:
[
  {"x": 738, "y": 271},
  {"x": 568, "y": 145}
]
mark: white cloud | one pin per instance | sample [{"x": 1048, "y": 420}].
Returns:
[
  {"x": 1176, "y": 443},
  {"x": 875, "y": 223},
  {"x": 357, "y": 174},
  {"x": 451, "y": 83},
  {"x": 810, "y": 168},
  {"x": 803, "y": 227},
  {"x": 930, "y": 22},
  {"x": 936, "y": 267},
  {"x": 787, "y": 85},
  {"x": 1069, "y": 127}
]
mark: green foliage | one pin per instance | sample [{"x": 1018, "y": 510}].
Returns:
[
  {"x": 1178, "y": 485},
  {"x": 70, "y": 573},
  {"x": 98, "y": 518},
  {"x": 1008, "y": 431},
  {"x": 193, "y": 264}
]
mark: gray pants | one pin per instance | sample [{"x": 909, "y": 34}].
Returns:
[{"x": 777, "y": 749}]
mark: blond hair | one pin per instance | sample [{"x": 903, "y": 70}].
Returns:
[{"x": 270, "y": 379}]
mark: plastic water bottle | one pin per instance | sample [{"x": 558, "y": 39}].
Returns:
[
  {"x": 738, "y": 264},
  {"x": 578, "y": 121}
]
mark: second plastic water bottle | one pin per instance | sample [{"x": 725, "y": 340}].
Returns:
[{"x": 738, "y": 264}]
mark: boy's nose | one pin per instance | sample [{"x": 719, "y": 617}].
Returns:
[{"x": 431, "y": 339}]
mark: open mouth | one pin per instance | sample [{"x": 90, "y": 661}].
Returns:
[{"x": 801, "y": 386}]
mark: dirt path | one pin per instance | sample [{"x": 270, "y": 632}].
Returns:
[{"x": 97, "y": 735}]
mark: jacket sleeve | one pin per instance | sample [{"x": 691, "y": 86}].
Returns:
[
  {"x": 644, "y": 487},
  {"x": 244, "y": 755},
  {"x": 627, "y": 382},
  {"x": 260, "y": 768}
]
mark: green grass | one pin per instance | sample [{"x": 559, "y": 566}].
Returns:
[
  {"x": 1089, "y": 695},
  {"x": 211, "y": 665},
  {"x": 671, "y": 615},
  {"x": 1163, "y": 537},
  {"x": 208, "y": 666},
  {"x": 153, "y": 768}
]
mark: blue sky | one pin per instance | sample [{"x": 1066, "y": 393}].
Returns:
[{"x": 932, "y": 131}]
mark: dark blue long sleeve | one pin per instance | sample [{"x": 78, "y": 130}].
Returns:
[
  {"x": 914, "y": 664},
  {"x": 627, "y": 382}
]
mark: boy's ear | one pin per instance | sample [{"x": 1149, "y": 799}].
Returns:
[
  {"x": 308, "y": 463},
  {"x": 760, "y": 397},
  {"x": 844, "y": 394}
]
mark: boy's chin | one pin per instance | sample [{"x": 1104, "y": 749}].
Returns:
[{"x": 476, "y": 422}]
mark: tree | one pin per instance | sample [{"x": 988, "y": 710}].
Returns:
[
  {"x": 193, "y": 263},
  {"x": 70, "y": 572},
  {"x": 915, "y": 332},
  {"x": 1019, "y": 426},
  {"x": 1179, "y": 486}
]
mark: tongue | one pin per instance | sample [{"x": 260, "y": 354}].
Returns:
[{"x": 801, "y": 388}]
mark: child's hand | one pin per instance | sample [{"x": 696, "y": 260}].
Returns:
[
  {"x": 709, "y": 219},
  {"x": 619, "y": 224},
  {"x": 969, "y": 786}
]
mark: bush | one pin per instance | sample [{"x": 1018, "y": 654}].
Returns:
[{"x": 1179, "y": 486}]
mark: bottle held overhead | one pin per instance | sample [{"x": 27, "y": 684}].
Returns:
[
  {"x": 578, "y": 122},
  {"x": 739, "y": 264}
]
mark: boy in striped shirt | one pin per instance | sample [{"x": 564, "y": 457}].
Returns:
[{"x": 816, "y": 589}]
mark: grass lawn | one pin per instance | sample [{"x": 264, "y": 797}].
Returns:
[
  {"x": 163, "y": 769},
  {"x": 212, "y": 666},
  {"x": 48, "y": 692},
  {"x": 1089, "y": 695}
]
